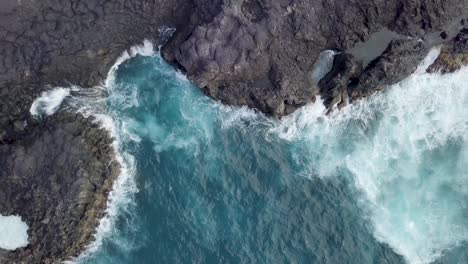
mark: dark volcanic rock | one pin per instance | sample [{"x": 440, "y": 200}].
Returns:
[
  {"x": 454, "y": 54},
  {"x": 57, "y": 173},
  {"x": 398, "y": 61},
  {"x": 261, "y": 53},
  {"x": 345, "y": 68}
]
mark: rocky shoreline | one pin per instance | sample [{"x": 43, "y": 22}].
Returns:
[
  {"x": 56, "y": 173},
  {"x": 261, "y": 53},
  {"x": 59, "y": 176}
]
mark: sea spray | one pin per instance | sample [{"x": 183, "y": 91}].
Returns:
[
  {"x": 121, "y": 196},
  {"x": 405, "y": 149},
  {"x": 323, "y": 65},
  {"x": 209, "y": 173},
  {"x": 428, "y": 60},
  {"x": 216, "y": 175},
  {"x": 146, "y": 49},
  {"x": 49, "y": 102}
]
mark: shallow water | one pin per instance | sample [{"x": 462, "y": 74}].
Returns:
[{"x": 382, "y": 181}]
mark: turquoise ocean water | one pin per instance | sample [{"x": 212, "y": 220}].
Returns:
[{"x": 382, "y": 181}]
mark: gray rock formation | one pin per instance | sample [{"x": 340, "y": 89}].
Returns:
[
  {"x": 453, "y": 55},
  {"x": 57, "y": 177},
  {"x": 56, "y": 173},
  {"x": 261, "y": 53}
]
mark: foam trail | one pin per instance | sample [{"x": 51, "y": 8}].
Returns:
[
  {"x": 146, "y": 49},
  {"x": 294, "y": 124},
  {"x": 323, "y": 65},
  {"x": 121, "y": 196},
  {"x": 14, "y": 232},
  {"x": 411, "y": 170},
  {"x": 406, "y": 150},
  {"x": 428, "y": 61},
  {"x": 394, "y": 146},
  {"x": 49, "y": 102},
  {"x": 124, "y": 187}
]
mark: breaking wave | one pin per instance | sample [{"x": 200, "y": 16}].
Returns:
[
  {"x": 100, "y": 108},
  {"x": 49, "y": 102},
  {"x": 405, "y": 150}
]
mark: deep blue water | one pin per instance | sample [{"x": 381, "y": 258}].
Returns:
[{"x": 380, "y": 182}]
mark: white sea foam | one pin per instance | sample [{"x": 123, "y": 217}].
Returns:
[
  {"x": 292, "y": 125},
  {"x": 412, "y": 169},
  {"x": 49, "y": 102},
  {"x": 323, "y": 65},
  {"x": 124, "y": 187},
  {"x": 233, "y": 115},
  {"x": 121, "y": 197},
  {"x": 407, "y": 151},
  {"x": 384, "y": 143},
  {"x": 13, "y": 232},
  {"x": 146, "y": 49},
  {"x": 429, "y": 60},
  {"x": 90, "y": 103}
]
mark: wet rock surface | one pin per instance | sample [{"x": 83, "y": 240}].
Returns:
[
  {"x": 454, "y": 54},
  {"x": 57, "y": 178},
  {"x": 56, "y": 172},
  {"x": 261, "y": 53}
]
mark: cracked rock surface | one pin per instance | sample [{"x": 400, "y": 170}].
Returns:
[
  {"x": 56, "y": 178},
  {"x": 261, "y": 53},
  {"x": 453, "y": 55}
]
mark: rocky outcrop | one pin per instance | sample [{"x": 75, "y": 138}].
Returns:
[
  {"x": 454, "y": 54},
  {"x": 261, "y": 53},
  {"x": 398, "y": 61},
  {"x": 56, "y": 173},
  {"x": 57, "y": 178}
]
